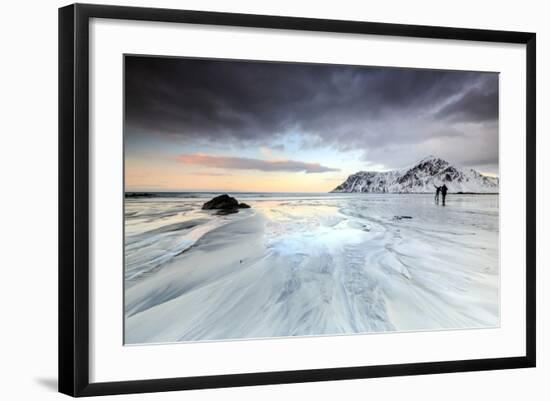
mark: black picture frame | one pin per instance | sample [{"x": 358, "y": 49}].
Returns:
[{"x": 74, "y": 201}]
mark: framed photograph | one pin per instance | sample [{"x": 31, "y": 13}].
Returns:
[{"x": 250, "y": 199}]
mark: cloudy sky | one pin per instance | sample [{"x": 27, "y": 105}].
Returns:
[{"x": 195, "y": 124}]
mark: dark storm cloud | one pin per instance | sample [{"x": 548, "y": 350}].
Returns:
[
  {"x": 245, "y": 163},
  {"x": 347, "y": 107},
  {"x": 479, "y": 103}
]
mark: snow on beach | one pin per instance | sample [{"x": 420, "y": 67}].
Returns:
[{"x": 308, "y": 265}]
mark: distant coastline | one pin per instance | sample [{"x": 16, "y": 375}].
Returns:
[{"x": 152, "y": 194}]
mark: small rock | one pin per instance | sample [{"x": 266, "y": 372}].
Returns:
[
  {"x": 225, "y": 204},
  {"x": 221, "y": 202}
]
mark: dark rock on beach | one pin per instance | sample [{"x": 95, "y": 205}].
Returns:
[
  {"x": 225, "y": 204},
  {"x": 221, "y": 202}
]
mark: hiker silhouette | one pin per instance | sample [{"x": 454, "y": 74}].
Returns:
[
  {"x": 437, "y": 191},
  {"x": 444, "y": 190}
]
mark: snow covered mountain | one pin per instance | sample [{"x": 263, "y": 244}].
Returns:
[{"x": 421, "y": 177}]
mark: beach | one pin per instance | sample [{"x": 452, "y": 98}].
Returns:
[{"x": 308, "y": 264}]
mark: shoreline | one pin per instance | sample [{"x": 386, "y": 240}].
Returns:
[{"x": 140, "y": 194}]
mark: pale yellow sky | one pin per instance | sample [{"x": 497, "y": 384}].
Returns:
[{"x": 140, "y": 175}]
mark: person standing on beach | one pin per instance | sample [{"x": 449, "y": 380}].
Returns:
[
  {"x": 437, "y": 191},
  {"x": 444, "y": 192}
]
